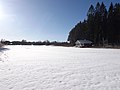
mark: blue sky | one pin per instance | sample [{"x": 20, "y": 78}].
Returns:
[{"x": 42, "y": 19}]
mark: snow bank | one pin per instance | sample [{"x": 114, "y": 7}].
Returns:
[{"x": 59, "y": 68}]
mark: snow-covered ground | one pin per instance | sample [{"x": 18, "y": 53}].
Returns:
[{"x": 59, "y": 68}]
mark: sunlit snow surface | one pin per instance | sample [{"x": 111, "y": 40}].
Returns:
[{"x": 59, "y": 68}]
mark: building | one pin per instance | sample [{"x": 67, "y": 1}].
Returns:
[{"x": 83, "y": 43}]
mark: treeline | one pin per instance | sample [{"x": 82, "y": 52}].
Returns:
[
  {"x": 25, "y": 42},
  {"x": 102, "y": 26}
]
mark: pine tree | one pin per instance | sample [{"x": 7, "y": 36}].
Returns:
[
  {"x": 90, "y": 21},
  {"x": 103, "y": 24},
  {"x": 97, "y": 24},
  {"x": 110, "y": 26},
  {"x": 116, "y": 23},
  {"x": 74, "y": 34},
  {"x": 91, "y": 11}
]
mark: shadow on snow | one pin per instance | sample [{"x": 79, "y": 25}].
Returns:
[{"x": 4, "y": 49}]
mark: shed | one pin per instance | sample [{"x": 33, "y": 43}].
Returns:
[{"x": 83, "y": 43}]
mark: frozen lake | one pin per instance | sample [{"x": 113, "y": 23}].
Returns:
[{"x": 59, "y": 68}]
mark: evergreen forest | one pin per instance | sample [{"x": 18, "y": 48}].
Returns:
[{"x": 102, "y": 26}]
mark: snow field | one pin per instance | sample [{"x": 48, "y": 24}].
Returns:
[{"x": 59, "y": 68}]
